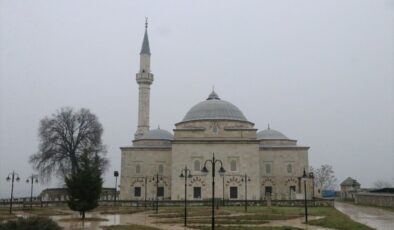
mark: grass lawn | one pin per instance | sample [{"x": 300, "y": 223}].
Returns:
[
  {"x": 257, "y": 215},
  {"x": 129, "y": 227},
  {"x": 248, "y": 228}
]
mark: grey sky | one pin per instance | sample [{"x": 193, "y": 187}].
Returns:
[{"x": 321, "y": 72}]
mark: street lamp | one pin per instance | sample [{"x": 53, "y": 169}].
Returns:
[
  {"x": 156, "y": 179},
  {"x": 32, "y": 179},
  {"x": 187, "y": 174},
  {"x": 312, "y": 176},
  {"x": 116, "y": 174},
  {"x": 12, "y": 178},
  {"x": 221, "y": 171},
  {"x": 246, "y": 179},
  {"x": 304, "y": 178}
]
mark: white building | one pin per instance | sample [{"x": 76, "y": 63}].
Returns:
[{"x": 273, "y": 162}]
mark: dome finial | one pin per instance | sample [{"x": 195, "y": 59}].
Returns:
[
  {"x": 213, "y": 95},
  {"x": 146, "y": 22}
]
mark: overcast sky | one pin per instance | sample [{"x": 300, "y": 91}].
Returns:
[{"x": 321, "y": 72}]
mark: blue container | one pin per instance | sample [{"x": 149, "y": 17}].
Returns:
[{"x": 328, "y": 193}]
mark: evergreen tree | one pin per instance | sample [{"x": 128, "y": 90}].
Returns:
[{"x": 84, "y": 185}]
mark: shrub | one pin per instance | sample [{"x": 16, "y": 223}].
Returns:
[{"x": 30, "y": 223}]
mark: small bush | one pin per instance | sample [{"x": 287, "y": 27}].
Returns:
[{"x": 30, "y": 223}]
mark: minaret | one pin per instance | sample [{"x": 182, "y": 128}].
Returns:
[{"x": 144, "y": 79}]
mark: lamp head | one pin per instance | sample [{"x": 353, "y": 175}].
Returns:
[
  {"x": 18, "y": 179},
  {"x": 116, "y": 173},
  {"x": 304, "y": 176},
  {"x": 221, "y": 170},
  {"x": 204, "y": 170},
  {"x": 182, "y": 176},
  {"x": 8, "y": 178},
  {"x": 27, "y": 181},
  {"x": 36, "y": 181},
  {"x": 190, "y": 175}
]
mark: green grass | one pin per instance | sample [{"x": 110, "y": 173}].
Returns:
[
  {"x": 129, "y": 227},
  {"x": 258, "y": 215},
  {"x": 247, "y": 228},
  {"x": 336, "y": 219}
]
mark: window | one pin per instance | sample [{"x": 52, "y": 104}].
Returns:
[
  {"x": 138, "y": 169},
  {"x": 268, "y": 190},
  {"x": 233, "y": 192},
  {"x": 289, "y": 168},
  {"x": 197, "y": 165},
  {"x": 160, "y": 191},
  {"x": 292, "y": 189},
  {"x": 137, "y": 191},
  {"x": 233, "y": 165},
  {"x": 268, "y": 169},
  {"x": 197, "y": 192},
  {"x": 161, "y": 168}
]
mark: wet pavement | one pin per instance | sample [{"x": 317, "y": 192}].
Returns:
[
  {"x": 145, "y": 218},
  {"x": 374, "y": 217}
]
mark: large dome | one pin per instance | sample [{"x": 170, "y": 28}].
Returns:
[{"x": 214, "y": 109}]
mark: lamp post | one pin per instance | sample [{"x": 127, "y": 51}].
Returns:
[
  {"x": 32, "y": 179},
  {"x": 12, "y": 178},
  {"x": 246, "y": 179},
  {"x": 312, "y": 176},
  {"x": 156, "y": 179},
  {"x": 116, "y": 174},
  {"x": 221, "y": 171},
  {"x": 223, "y": 176},
  {"x": 187, "y": 174},
  {"x": 304, "y": 178}
]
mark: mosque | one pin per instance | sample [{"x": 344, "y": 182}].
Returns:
[{"x": 271, "y": 163}]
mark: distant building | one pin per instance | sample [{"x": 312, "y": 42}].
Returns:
[
  {"x": 60, "y": 194},
  {"x": 349, "y": 187}
]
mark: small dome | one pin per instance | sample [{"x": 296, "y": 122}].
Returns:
[
  {"x": 214, "y": 109},
  {"x": 270, "y": 134},
  {"x": 157, "y": 134}
]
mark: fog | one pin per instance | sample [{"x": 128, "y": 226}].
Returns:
[{"x": 321, "y": 72}]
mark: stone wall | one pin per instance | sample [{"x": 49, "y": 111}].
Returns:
[{"x": 375, "y": 199}]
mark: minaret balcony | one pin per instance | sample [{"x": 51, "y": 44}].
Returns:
[{"x": 144, "y": 78}]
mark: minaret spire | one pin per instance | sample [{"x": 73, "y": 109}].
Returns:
[
  {"x": 144, "y": 79},
  {"x": 145, "y": 49}
]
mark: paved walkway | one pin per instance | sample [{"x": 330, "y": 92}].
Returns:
[{"x": 374, "y": 217}]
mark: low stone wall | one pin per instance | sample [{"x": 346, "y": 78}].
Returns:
[{"x": 375, "y": 199}]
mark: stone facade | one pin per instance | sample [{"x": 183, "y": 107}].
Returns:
[
  {"x": 271, "y": 162},
  {"x": 375, "y": 199}
]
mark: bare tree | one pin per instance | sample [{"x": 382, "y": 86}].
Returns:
[
  {"x": 324, "y": 177},
  {"x": 63, "y": 138},
  {"x": 381, "y": 184}
]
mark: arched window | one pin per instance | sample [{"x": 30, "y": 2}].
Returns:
[
  {"x": 137, "y": 169},
  {"x": 161, "y": 168},
  {"x": 289, "y": 168},
  {"x": 197, "y": 165},
  {"x": 267, "y": 168},
  {"x": 233, "y": 165}
]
